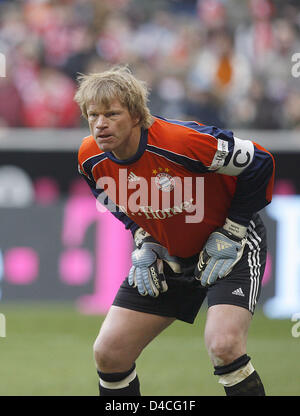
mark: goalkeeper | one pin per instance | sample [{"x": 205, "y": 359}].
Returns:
[{"x": 179, "y": 259}]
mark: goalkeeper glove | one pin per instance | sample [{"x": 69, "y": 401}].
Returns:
[
  {"x": 223, "y": 249},
  {"x": 147, "y": 272}
]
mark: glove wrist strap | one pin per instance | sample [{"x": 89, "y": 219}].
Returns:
[
  {"x": 237, "y": 230},
  {"x": 141, "y": 236}
]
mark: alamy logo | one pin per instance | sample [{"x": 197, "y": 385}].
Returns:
[
  {"x": 296, "y": 67},
  {"x": 2, "y": 325},
  {"x": 2, "y": 65},
  {"x": 158, "y": 197},
  {"x": 296, "y": 327}
]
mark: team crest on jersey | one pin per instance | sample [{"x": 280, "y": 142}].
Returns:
[{"x": 164, "y": 182}]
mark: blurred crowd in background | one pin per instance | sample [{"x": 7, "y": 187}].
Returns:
[{"x": 221, "y": 62}]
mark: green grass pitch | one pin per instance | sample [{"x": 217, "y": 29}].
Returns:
[{"x": 47, "y": 351}]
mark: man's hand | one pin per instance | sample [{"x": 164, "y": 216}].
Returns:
[
  {"x": 147, "y": 272},
  {"x": 223, "y": 249}
]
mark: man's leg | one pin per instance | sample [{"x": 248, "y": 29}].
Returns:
[
  {"x": 226, "y": 334},
  {"x": 123, "y": 336}
]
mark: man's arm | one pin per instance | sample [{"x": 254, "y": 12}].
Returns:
[
  {"x": 254, "y": 168},
  {"x": 147, "y": 272},
  {"x": 209, "y": 149},
  {"x": 103, "y": 199}
]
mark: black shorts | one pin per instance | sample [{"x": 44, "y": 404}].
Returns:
[{"x": 185, "y": 295}]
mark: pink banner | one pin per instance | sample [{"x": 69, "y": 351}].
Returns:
[{"x": 113, "y": 246}]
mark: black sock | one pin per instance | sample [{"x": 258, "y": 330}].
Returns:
[
  {"x": 247, "y": 381},
  {"x": 130, "y": 387},
  {"x": 250, "y": 386}
]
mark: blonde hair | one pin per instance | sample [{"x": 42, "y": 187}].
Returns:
[{"x": 118, "y": 82}]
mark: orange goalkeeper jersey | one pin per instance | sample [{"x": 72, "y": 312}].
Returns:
[{"x": 182, "y": 183}]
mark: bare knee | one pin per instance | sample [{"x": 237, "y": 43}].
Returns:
[
  {"x": 224, "y": 348},
  {"x": 123, "y": 336},
  {"x": 110, "y": 355},
  {"x": 226, "y": 333}
]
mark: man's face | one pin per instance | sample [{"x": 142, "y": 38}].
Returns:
[{"x": 114, "y": 129}]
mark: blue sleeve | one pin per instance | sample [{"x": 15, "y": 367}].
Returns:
[
  {"x": 254, "y": 188},
  {"x": 111, "y": 206},
  {"x": 254, "y": 168}
]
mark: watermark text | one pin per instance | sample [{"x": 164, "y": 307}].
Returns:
[
  {"x": 296, "y": 327},
  {"x": 160, "y": 197},
  {"x": 296, "y": 67}
]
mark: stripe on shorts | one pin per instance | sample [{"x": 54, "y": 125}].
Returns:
[{"x": 253, "y": 241}]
